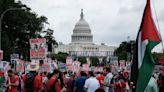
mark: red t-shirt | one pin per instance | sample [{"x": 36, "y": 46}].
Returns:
[
  {"x": 158, "y": 82},
  {"x": 38, "y": 84},
  {"x": 101, "y": 78},
  {"x": 119, "y": 87},
  {"x": 50, "y": 82},
  {"x": 123, "y": 84},
  {"x": 13, "y": 79}
]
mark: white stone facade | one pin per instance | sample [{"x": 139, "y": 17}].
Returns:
[{"x": 82, "y": 43}]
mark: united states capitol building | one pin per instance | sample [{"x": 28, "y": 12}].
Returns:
[{"x": 82, "y": 43}]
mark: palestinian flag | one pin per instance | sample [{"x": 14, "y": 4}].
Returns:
[{"x": 148, "y": 37}]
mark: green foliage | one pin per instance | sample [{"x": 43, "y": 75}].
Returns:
[
  {"x": 104, "y": 61},
  {"x": 49, "y": 37},
  {"x": 157, "y": 56},
  {"x": 121, "y": 51},
  {"x": 18, "y": 26},
  {"x": 60, "y": 57},
  {"x": 82, "y": 60},
  {"x": 94, "y": 61}
]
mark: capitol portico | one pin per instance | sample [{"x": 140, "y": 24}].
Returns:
[{"x": 82, "y": 42}]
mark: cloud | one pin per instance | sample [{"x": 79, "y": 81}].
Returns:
[
  {"x": 111, "y": 21},
  {"x": 161, "y": 16}
]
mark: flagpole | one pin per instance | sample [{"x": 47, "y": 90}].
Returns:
[{"x": 158, "y": 25}]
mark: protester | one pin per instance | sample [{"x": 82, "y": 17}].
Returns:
[
  {"x": 12, "y": 82},
  {"x": 32, "y": 81},
  {"x": 80, "y": 81},
  {"x": 70, "y": 83},
  {"x": 83, "y": 81},
  {"x": 108, "y": 86},
  {"x": 100, "y": 77},
  {"x": 53, "y": 84},
  {"x": 91, "y": 84},
  {"x": 152, "y": 86},
  {"x": 45, "y": 79},
  {"x": 61, "y": 79}
]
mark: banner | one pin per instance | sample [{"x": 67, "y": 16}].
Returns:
[
  {"x": 98, "y": 69},
  {"x": 75, "y": 66},
  {"x": 20, "y": 66},
  {"x": 4, "y": 67},
  {"x": 62, "y": 67},
  {"x": 35, "y": 62},
  {"x": 85, "y": 67},
  {"x": 45, "y": 68},
  {"x": 38, "y": 48},
  {"x": 69, "y": 61}
]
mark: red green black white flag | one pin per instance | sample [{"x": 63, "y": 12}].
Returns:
[{"x": 148, "y": 37}]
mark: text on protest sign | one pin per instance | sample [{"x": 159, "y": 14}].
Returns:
[{"x": 38, "y": 48}]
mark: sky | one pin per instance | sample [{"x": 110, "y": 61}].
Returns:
[{"x": 111, "y": 21}]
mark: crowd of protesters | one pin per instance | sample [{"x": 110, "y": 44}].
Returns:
[{"x": 90, "y": 81}]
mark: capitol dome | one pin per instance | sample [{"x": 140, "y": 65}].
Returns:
[{"x": 82, "y": 31}]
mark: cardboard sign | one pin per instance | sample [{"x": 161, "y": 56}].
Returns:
[
  {"x": 62, "y": 67},
  {"x": 20, "y": 66},
  {"x": 85, "y": 67},
  {"x": 98, "y": 69},
  {"x": 75, "y": 66},
  {"x": 14, "y": 56},
  {"x": 4, "y": 67},
  {"x": 35, "y": 62},
  {"x": 76, "y": 63},
  {"x": 38, "y": 48},
  {"x": 69, "y": 61},
  {"x": 45, "y": 68}
]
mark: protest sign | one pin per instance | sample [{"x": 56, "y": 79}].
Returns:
[
  {"x": 38, "y": 48},
  {"x": 85, "y": 67}
]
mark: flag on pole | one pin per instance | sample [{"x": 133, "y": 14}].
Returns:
[{"x": 148, "y": 37}]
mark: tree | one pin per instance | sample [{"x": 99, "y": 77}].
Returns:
[
  {"x": 60, "y": 56},
  {"x": 49, "y": 38},
  {"x": 94, "y": 61},
  {"x": 125, "y": 48},
  {"x": 82, "y": 60},
  {"x": 18, "y": 26},
  {"x": 104, "y": 61}
]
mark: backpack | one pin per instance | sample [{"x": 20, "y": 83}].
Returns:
[
  {"x": 52, "y": 88},
  {"x": 30, "y": 82}
]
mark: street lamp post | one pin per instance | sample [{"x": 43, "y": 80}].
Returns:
[{"x": 1, "y": 18}]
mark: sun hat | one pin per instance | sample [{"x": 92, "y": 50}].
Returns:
[{"x": 33, "y": 67}]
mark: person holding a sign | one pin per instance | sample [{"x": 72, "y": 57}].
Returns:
[
  {"x": 12, "y": 82},
  {"x": 80, "y": 81},
  {"x": 32, "y": 81},
  {"x": 53, "y": 84}
]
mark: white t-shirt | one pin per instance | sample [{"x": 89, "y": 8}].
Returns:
[{"x": 91, "y": 84}]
